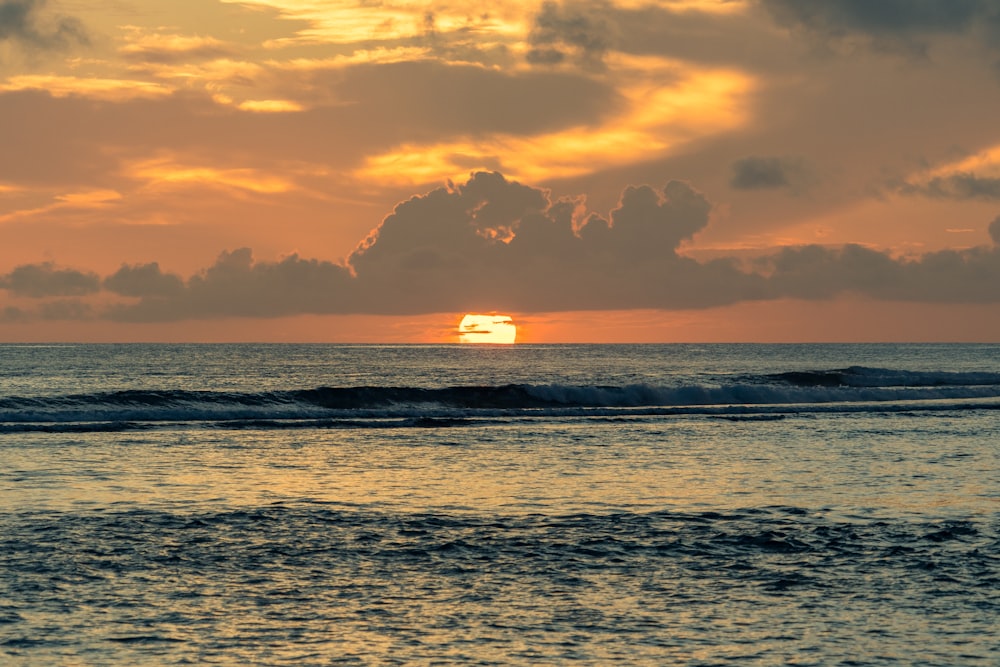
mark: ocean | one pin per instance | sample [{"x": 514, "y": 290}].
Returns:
[{"x": 500, "y": 505}]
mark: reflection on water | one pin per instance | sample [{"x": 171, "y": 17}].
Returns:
[
  {"x": 310, "y": 583},
  {"x": 523, "y": 465},
  {"x": 149, "y": 522}
]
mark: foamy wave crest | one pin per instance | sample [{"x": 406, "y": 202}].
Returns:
[
  {"x": 861, "y": 376},
  {"x": 793, "y": 392}
]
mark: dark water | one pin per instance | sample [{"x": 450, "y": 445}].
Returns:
[{"x": 530, "y": 505}]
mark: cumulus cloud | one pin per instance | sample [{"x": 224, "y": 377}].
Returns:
[
  {"x": 145, "y": 280},
  {"x": 44, "y": 280},
  {"x": 497, "y": 244},
  {"x": 815, "y": 272},
  {"x": 25, "y": 22},
  {"x": 66, "y": 309},
  {"x": 13, "y": 314},
  {"x": 497, "y": 241},
  {"x": 235, "y": 286}
]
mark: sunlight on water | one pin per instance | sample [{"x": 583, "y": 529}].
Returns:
[{"x": 545, "y": 518}]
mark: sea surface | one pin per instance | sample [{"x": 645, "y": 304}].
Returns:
[{"x": 500, "y": 505}]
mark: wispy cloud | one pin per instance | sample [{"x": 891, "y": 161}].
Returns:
[{"x": 115, "y": 90}]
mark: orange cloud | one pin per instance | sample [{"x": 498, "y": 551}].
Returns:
[
  {"x": 220, "y": 70},
  {"x": 90, "y": 197},
  {"x": 270, "y": 106},
  {"x": 348, "y": 23},
  {"x": 114, "y": 90},
  {"x": 158, "y": 45},
  {"x": 167, "y": 172},
  {"x": 71, "y": 200},
  {"x": 986, "y": 160},
  {"x": 656, "y": 118}
]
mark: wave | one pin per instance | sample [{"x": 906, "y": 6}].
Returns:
[
  {"x": 861, "y": 376},
  {"x": 848, "y": 389}
]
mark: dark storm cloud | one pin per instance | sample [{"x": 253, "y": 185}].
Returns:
[
  {"x": 494, "y": 243},
  {"x": 765, "y": 173},
  {"x": 959, "y": 186},
  {"x": 23, "y": 21},
  {"x": 43, "y": 280},
  {"x": 579, "y": 30},
  {"x": 891, "y": 24}
]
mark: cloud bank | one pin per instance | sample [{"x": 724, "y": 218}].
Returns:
[{"x": 494, "y": 243}]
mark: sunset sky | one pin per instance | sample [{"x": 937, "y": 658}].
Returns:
[{"x": 620, "y": 170}]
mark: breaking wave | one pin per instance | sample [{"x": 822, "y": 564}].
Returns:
[{"x": 849, "y": 390}]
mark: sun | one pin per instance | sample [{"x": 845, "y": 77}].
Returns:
[{"x": 498, "y": 329}]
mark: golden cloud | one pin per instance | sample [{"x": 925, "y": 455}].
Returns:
[
  {"x": 379, "y": 56},
  {"x": 114, "y": 90},
  {"x": 167, "y": 172},
  {"x": 656, "y": 118},
  {"x": 270, "y": 106},
  {"x": 214, "y": 71},
  {"x": 158, "y": 43},
  {"x": 349, "y": 23},
  {"x": 72, "y": 200},
  {"x": 984, "y": 161},
  {"x": 90, "y": 197}
]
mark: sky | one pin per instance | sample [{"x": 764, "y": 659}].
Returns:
[{"x": 601, "y": 171}]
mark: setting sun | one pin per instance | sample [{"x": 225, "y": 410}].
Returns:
[{"x": 487, "y": 329}]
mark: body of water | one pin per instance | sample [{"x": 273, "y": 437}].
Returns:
[{"x": 472, "y": 504}]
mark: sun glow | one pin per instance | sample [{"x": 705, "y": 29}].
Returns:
[{"x": 497, "y": 329}]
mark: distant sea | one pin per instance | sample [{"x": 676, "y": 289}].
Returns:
[{"x": 508, "y": 505}]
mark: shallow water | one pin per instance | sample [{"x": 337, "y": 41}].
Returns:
[{"x": 227, "y": 508}]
